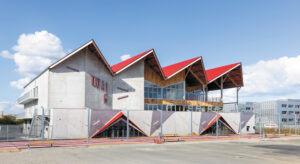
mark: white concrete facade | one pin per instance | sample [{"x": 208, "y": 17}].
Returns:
[{"x": 128, "y": 88}]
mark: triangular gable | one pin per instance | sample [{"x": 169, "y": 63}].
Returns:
[
  {"x": 113, "y": 120},
  {"x": 233, "y": 119},
  {"x": 215, "y": 73},
  {"x": 173, "y": 69},
  {"x": 214, "y": 120},
  {"x": 245, "y": 117},
  {"x": 206, "y": 121},
  {"x": 155, "y": 123},
  {"x": 90, "y": 43},
  {"x": 117, "y": 68},
  {"x": 142, "y": 119},
  {"x": 99, "y": 118}
]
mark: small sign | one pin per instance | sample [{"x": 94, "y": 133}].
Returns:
[{"x": 270, "y": 125}]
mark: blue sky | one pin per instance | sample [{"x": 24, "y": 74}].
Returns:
[{"x": 222, "y": 32}]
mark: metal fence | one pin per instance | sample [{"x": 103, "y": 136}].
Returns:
[
  {"x": 12, "y": 133},
  {"x": 125, "y": 124},
  {"x": 277, "y": 124}
]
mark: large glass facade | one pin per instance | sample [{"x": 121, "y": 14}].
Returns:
[
  {"x": 173, "y": 107},
  {"x": 197, "y": 95},
  {"x": 171, "y": 92}
]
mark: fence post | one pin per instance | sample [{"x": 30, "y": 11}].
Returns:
[
  {"x": 127, "y": 125},
  {"x": 240, "y": 123},
  {"x": 89, "y": 115},
  {"x": 295, "y": 124},
  {"x": 161, "y": 124},
  {"x": 43, "y": 123},
  {"x": 6, "y": 133},
  {"x": 217, "y": 124},
  {"x": 191, "y": 123},
  {"x": 279, "y": 124}
]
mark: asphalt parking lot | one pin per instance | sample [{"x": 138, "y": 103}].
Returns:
[{"x": 226, "y": 152}]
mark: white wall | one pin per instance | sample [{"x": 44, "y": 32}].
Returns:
[
  {"x": 42, "y": 83},
  {"x": 68, "y": 123},
  {"x": 94, "y": 97},
  {"x": 131, "y": 79},
  {"x": 66, "y": 86}
]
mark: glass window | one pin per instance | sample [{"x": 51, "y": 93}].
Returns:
[
  {"x": 283, "y": 105},
  {"x": 291, "y": 112},
  {"x": 291, "y": 106},
  {"x": 284, "y": 120},
  {"x": 284, "y": 112}
]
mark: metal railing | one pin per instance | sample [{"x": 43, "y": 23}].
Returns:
[{"x": 29, "y": 96}]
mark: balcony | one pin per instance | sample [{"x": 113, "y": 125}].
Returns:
[
  {"x": 29, "y": 96},
  {"x": 212, "y": 102}
]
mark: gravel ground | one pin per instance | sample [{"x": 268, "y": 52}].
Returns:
[{"x": 226, "y": 152}]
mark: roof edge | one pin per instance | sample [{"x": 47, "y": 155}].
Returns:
[
  {"x": 199, "y": 58},
  {"x": 135, "y": 61},
  {"x": 223, "y": 73}
]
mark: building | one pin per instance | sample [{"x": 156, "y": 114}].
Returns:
[
  {"x": 283, "y": 112},
  {"x": 84, "y": 79},
  {"x": 242, "y": 107}
]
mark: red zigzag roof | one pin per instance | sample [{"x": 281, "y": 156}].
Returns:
[{"x": 170, "y": 70}]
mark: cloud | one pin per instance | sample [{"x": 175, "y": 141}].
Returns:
[
  {"x": 6, "y": 54},
  {"x": 268, "y": 80},
  {"x": 19, "y": 84},
  {"x": 10, "y": 108},
  {"x": 33, "y": 53},
  {"x": 125, "y": 57},
  {"x": 277, "y": 78}
]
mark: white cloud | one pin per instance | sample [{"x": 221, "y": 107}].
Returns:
[
  {"x": 33, "y": 53},
  {"x": 6, "y": 54},
  {"x": 11, "y": 108},
  {"x": 125, "y": 57},
  {"x": 278, "y": 78},
  {"x": 19, "y": 84},
  {"x": 268, "y": 80}
]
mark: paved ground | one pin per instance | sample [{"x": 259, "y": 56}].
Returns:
[{"x": 238, "y": 151}]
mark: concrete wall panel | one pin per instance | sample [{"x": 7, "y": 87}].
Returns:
[
  {"x": 69, "y": 123},
  {"x": 131, "y": 80}
]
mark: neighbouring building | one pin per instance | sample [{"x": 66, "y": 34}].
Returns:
[
  {"x": 242, "y": 107},
  {"x": 282, "y": 111},
  {"x": 84, "y": 79}
]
